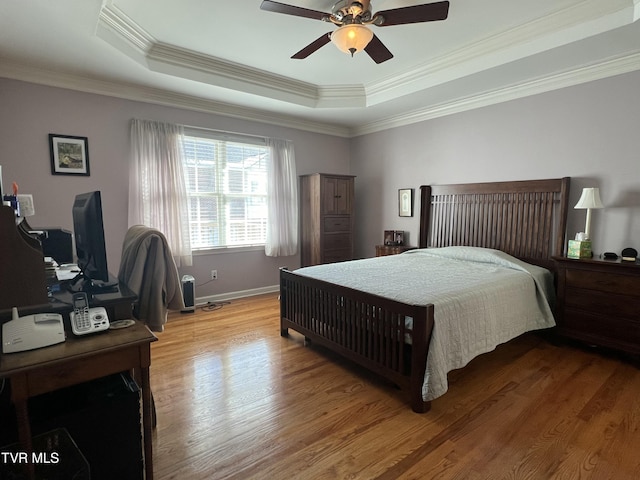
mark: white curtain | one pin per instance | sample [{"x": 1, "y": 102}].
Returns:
[
  {"x": 157, "y": 188},
  {"x": 282, "y": 230}
]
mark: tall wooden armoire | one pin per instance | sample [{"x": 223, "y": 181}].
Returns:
[{"x": 326, "y": 218}]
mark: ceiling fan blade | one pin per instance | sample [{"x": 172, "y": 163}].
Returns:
[
  {"x": 313, "y": 46},
  {"x": 277, "y": 7},
  {"x": 418, "y": 13},
  {"x": 377, "y": 51}
]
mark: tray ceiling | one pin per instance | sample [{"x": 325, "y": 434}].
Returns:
[{"x": 234, "y": 59}]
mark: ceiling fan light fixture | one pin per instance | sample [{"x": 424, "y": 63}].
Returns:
[{"x": 351, "y": 38}]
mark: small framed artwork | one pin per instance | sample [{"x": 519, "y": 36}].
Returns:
[
  {"x": 405, "y": 202},
  {"x": 69, "y": 155}
]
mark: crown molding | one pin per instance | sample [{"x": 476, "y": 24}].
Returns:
[
  {"x": 608, "y": 68},
  {"x": 584, "y": 74},
  {"x": 560, "y": 27},
  {"x": 121, "y": 32},
  {"x": 164, "y": 58},
  {"x": 128, "y": 91}
]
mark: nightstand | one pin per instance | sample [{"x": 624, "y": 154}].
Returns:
[
  {"x": 599, "y": 302},
  {"x": 383, "y": 250}
]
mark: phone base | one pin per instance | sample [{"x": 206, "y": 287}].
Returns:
[{"x": 98, "y": 322}]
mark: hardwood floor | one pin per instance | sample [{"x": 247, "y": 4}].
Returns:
[{"x": 235, "y": 400}]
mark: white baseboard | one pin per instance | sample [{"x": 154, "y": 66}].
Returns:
[{"x": 234, "y": 295}]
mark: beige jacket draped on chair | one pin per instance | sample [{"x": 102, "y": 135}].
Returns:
[{"x": 147, "y": 267}]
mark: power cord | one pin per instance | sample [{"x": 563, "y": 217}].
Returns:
[{"x": 211, "y": 306}]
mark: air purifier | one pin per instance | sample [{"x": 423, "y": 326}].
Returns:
[{"x": 189, "y": 293}]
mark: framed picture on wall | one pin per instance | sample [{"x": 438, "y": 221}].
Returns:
[
  {"x": 405, "y": 202},
  {"x": 69, "y": 155}
]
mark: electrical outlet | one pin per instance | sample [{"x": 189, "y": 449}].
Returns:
[{"x": 214, "y": 274}]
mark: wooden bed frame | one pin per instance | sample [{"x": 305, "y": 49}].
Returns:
[{"x": 526, "y": 219}]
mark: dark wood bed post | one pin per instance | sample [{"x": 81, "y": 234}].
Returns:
[
  {"x": 284, "y": 331},
  {"x": 425, "y": 220},
  {"x": 561, "y": 234},
  {"x": 422, "y": 328}
]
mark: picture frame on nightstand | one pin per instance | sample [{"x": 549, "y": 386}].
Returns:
[
  {"x": 389, "y": 237},
  {"x": 394, "y": 237}
]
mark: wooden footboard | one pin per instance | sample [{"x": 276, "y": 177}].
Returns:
[{"x": 387, "y": 337}]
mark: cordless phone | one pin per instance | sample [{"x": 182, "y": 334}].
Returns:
[{"x": 87, "y": 320}]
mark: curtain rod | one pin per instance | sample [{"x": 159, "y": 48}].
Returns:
[{"x": 226, "y": 132}]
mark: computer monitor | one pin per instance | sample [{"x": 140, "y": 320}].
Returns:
[{"x": 88, "y": 231}]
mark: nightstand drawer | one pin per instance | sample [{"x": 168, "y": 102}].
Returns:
[
  {"x": 590, "y": 301},
  {"x": 601, "y": 330},
  {"x": 605, "y": 282}
]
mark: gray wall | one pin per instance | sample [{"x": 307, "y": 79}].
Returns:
[
  {"x": 589, "y": 132},
  {"x": 30, "y": 112}
]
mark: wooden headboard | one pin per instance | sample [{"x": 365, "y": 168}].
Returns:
[{"x": 526, "y": 219}]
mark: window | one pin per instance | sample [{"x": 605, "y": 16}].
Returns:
[{"x": 227, "y": 190}]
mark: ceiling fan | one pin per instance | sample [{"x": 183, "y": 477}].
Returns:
[{"x": 352, "y": 18}]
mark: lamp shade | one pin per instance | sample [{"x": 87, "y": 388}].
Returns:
[
  {"x": 590, "y": 198},
  {"x": 351, "y": 38}
]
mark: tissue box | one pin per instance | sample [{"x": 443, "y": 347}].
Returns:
[{"x": 579, "y": 249}]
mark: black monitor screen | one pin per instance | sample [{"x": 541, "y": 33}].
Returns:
[{"x": 89, "y": 236}]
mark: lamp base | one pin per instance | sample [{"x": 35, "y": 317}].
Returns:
[{"x": 579, "y": 249}]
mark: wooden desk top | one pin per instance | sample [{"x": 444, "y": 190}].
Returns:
[
  {"x": 61, "y": 302},
  {"x": 75, "y": 348}
]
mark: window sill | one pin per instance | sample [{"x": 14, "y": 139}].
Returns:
[{"x": 223, "y": 250}]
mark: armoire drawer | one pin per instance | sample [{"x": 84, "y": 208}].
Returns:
[
  {"x": 332, "y": 256},
  {"x": 337, "y": 224},
  {"x": 337, "y": 241}
]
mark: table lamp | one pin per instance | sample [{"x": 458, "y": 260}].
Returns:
[
  {"x": 589, "y": 199},
  {"x": 581, "y": 246}
]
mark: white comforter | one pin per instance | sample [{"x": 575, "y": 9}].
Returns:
[{"x": 481, "y": 297}]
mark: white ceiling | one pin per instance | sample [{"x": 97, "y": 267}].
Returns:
[{"x": 232, "y": 58}]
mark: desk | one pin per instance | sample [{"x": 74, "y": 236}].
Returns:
[
  {"x": 78, "y": 360},
  {"x": 119, "y": 305}
]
